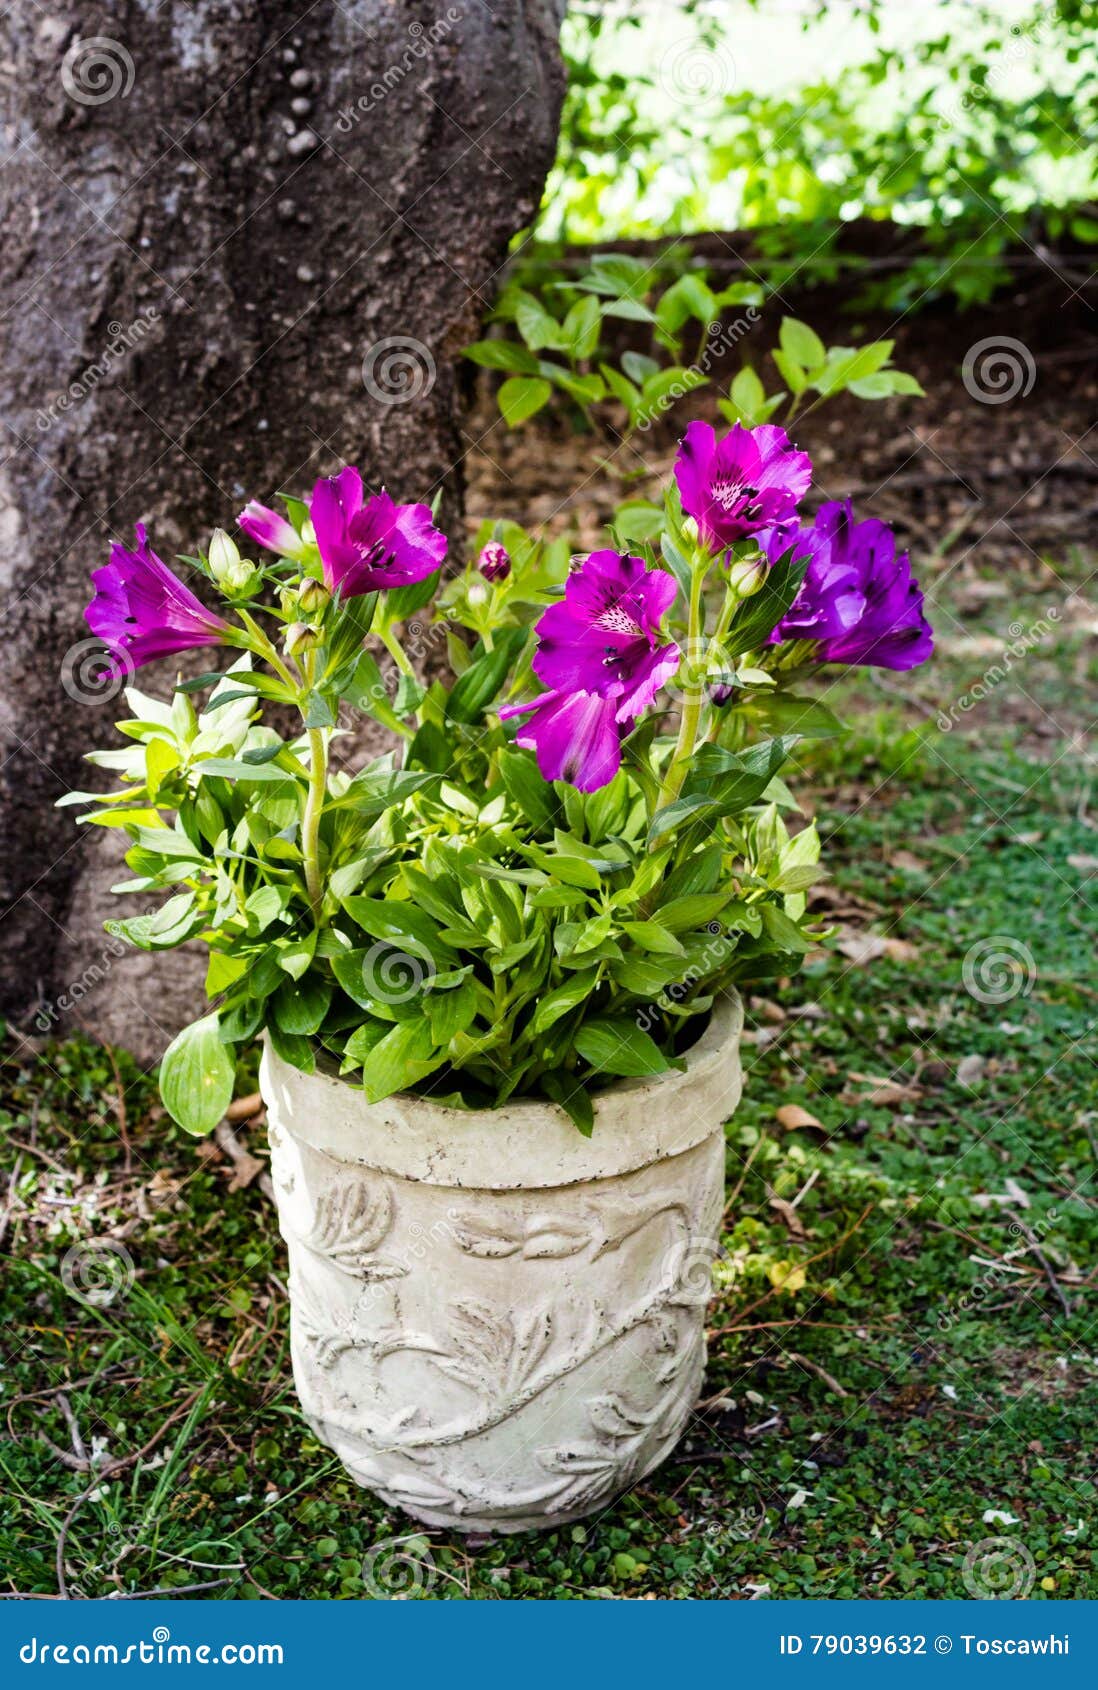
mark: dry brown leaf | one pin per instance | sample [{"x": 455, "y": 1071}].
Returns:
[
  {"x": 243, "y": 1108},
  {"x": 792, "y": 1117},
  {"x": 862, "y": 948},
  {"x": 969, "y": 1070},
  {"x": 789, "y": 1215},
  {"x": 245, "y": 1169},
  {"x": 907, "y": 861},
  {"x": 1082, "y": 864},
  {"x": 768, "y": 1011}
]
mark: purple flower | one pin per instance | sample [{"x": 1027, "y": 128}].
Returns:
[
  {"x": 750, "y": 480},
  {"x": 576, "y": 735},
  {"x": 366, "y": 546},
  {"x": 494, "y": 561},
  {"x": 267, "y": 528},
  {"x": 142, "y": 611},
  {"x": 600, "y": 658},
  {"x": 858, "y": 600}
]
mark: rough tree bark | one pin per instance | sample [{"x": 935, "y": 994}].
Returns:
[{"x": 244, "y": 240}]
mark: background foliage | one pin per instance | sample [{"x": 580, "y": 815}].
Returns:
[{"x": 970, "y": 125}]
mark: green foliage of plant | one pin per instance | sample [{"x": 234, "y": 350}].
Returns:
[
  {"x": 619, "y": 286},
  {"x": 569, "y": 319},
  {"x": 456, "y": 918}
]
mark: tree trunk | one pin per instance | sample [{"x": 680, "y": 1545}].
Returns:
[{"x": 245, "y": 240}]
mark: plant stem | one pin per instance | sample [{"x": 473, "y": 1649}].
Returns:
[
  {"x": 692, "y": 696},
  {"x": 396, "y": 650},
  {"x": 310, "y": 822}
]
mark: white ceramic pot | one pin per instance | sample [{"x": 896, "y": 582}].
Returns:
[{"x": 498, "y": 1324}]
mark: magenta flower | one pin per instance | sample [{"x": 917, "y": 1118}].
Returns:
[
  {"x": 858, "y": 601},
  {"x": 750, "y": 480},
  {"x": 142, "y": 611},
  {"x": 367, "y": 546},
  {"x": 600, "y": 657},
  {"x": 270, "y": 530}
]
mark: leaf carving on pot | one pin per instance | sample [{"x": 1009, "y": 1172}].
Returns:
[
  {"x": 484, "y": 1238},
  {"x": 493, "y": 1350},
  {"x": 613, "y": 1416},
  {"x": 535, "y": 1237},
  {"x": 620, "y": 1217},
  {"x": 554, "y": 1237},
  {"x": 349, "y": 1223},
  {"x": 327, "y": 1341}
]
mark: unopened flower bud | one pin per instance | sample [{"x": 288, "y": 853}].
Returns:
[
  {"x": 313, "y": 597},
  {"x": 494, "y": 561},
  {"x": 748, "y": 575},
  {"x": 721, "y": 693},
  {"x": 299, "y": 637},
  {"x": 227, "y": 567},
  {"x": 690, "y": 528}
]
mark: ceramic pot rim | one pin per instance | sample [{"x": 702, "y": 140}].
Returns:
[{"x": 528, "y": 1142}]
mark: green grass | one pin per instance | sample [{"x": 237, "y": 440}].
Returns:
[{"x": 856, "y": 1430}]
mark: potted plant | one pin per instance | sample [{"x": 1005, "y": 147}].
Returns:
[{"x": 494, "y": 969}]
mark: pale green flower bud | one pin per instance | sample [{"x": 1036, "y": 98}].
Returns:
[
  {"x": 228, "y": 568},
  {"x": 748, "y": 575},
  {"x": 313, "y": 597},
  {"x": 300, "y": 637}
]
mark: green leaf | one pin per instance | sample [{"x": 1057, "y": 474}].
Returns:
[
  {"x": 580, "y": 333},
  {"x": 475, "y": 691},
  {"x": 681, "y": 914},
  {"x": 790, "y": 371},
  {"x": 801, "y": 343},
  {"x": 616, "y": 1045},
  {"x": 198, "y": 683},
  {"x": 538, "y": 327},
  {"x": 300, "y": 1006},
  {"x": 376, "y": 790},
  {"x": 527, "y": 787},
  {"x": 294, "y": 1048},
  {"x": 233, "y": 768},
  {"x": 748, "y": 395},
  {"x": 573, "y": 1099},
  {"x": 787, "y": 713},
  {"x": 761, "y": 613},
  {"x": 552, "y": 1005},
  {"x": 404, "y": 1056},
  {"x": 521, "y": 396},
  {"x": 503, "y": 355},
  {"x": 652, "y": 936},
  {"x": 196, "y": 1077}
]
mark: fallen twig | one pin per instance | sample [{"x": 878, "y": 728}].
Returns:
[
  {"x": 13, "y": 1180},
  {"x": 820, "y": 1372},
  {"x": 111, "y": 1470},
  {"x": 245, "y": 1163},
  {"x": 1031, "y": 1238}
]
